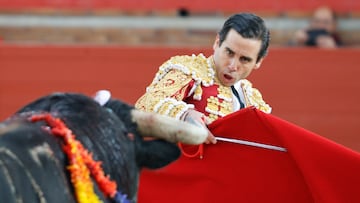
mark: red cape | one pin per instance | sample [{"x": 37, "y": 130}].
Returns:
[{"x": 313, "y": 169}]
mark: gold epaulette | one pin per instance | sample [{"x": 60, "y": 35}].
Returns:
[
  {"x": 198, "y": 67},
  {"x": 181, "y": 70},
  {"x": 253, "y": 97}
]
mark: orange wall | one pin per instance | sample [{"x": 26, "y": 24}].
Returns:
[{"x": 315, "y": 89}]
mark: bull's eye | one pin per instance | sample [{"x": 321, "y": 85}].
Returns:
[{"x": 131, "y": 136}]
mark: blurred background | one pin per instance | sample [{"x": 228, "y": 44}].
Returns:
[
  {"x": 86, "y": 45},
  {"x": 159, "y": 22}
]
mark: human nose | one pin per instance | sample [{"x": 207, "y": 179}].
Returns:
[{"x": 233, "y": 64}]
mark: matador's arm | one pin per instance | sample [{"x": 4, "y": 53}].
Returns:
[{"x": 165, "y": 95}]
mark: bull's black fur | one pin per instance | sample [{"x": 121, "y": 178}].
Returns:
[
  {"x": 33, "y": 165},
  {"x": 144, "y": 158}
]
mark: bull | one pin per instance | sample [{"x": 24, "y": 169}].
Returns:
[{"x": 35, "y": 168}]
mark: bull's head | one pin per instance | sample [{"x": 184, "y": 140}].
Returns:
[{"x": 116, "y": 134}]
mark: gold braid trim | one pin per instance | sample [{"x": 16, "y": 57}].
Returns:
[
  {"x": 172, "y": 107},
  {"x": 166, "y": 92},
  {"x": 253, "y": 97}
]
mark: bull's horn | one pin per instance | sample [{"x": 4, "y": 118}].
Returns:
[{"x": 167, "y": 128}]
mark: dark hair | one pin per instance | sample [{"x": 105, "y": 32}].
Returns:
[{"x": 248, "y": 26}]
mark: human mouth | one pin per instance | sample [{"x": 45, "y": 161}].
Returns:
[{"x": 228, "y": 77}]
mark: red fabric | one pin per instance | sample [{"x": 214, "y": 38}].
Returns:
[
  {"x": 313, "y": 169},
  {"x": 207, "y": 92}
]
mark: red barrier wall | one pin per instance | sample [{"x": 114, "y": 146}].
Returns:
[
  {"x": 193, "y": 5},
  {"x": 315, "y": 89}
]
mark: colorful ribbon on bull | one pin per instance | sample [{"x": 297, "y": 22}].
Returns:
[{"x": 81, "y": 165}]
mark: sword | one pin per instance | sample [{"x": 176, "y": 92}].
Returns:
[{"x": 249, "y": 143}]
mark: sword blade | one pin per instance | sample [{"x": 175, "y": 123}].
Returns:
[{"x": 249, "y": 143}]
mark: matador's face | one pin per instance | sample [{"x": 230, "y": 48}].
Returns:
[{"x": 235, "y": 58}]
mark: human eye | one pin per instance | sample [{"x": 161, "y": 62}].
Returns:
[
  {"x": 229, "y": 52},
  {"x": 244, "y": 59}
]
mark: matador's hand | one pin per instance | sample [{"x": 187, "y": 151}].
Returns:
[{"x": 194, "y": 117}]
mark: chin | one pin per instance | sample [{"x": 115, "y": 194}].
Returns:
[{"x": 227, "y": 84}]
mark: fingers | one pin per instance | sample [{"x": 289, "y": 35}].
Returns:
[
  {"x": 210, "y": 139},
  {"x": 199, "y": 119},
  {"x": 194, "y": 117}
]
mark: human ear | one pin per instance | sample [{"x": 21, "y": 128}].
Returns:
[
  {"x": 216, "y": 42},
  {"x": 258, "y": 64}
]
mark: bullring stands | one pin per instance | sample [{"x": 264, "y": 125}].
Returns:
[
  {"x": 191, "y": 5},
  {"x": 174, "y": 23}
]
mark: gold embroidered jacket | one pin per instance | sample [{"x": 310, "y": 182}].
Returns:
[{"x": 185, "y": 82}]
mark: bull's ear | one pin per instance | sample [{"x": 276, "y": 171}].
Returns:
[{"x": 155, "y": 154}]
